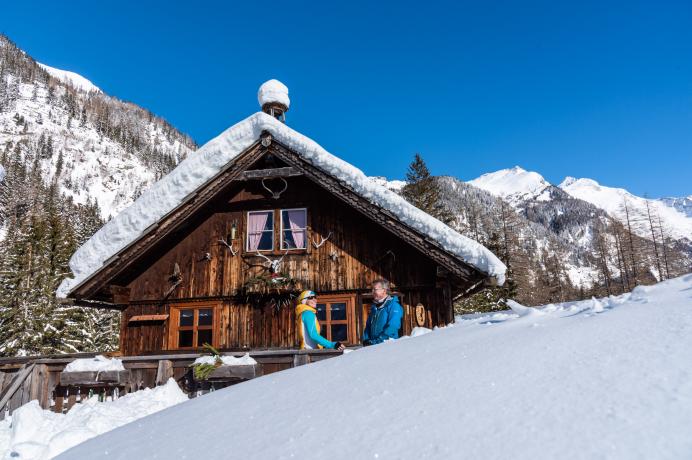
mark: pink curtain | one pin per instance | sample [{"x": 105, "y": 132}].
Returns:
[
  {"x": 256, "y": 223},
  {"x": 296, "y": 220}
]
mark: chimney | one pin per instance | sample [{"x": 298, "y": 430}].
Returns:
[{"x": 273, "y": 98}]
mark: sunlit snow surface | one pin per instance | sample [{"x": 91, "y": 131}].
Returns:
[
  {"x": 192, "y": 173},
  {"x": 36, "y": 434},
  {"x": 72, "y": 78},
  {"x": 601, "y": 378}
]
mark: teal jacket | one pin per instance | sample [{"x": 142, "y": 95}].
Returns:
[
  {"x": 312, "y": 337},
  {"x": 383, "y": 322}
]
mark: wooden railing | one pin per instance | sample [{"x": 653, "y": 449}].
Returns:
[{"x": 24, "y": 379}]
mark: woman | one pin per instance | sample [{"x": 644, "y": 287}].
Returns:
[{"x": 307, "y": 325}]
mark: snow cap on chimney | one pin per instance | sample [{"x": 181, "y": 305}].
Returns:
[{"x": 273, "y": 97}]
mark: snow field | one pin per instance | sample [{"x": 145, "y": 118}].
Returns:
[
  {"x": 36, "y": 434},
  {"x": 600, "y": 378}
]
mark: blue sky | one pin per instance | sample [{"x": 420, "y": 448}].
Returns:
[{"x": 600, "y": 90}]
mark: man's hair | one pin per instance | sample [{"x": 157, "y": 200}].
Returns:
[{"x": 382, "y": 282}]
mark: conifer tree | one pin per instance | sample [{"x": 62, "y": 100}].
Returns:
[{"x": 423, "y": 192}]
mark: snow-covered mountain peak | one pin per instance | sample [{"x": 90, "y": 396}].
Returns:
[
  {"x": 515, "y": 184},
  {"x": 643, "y": 212},
  {"x": 72, "y": 78}
]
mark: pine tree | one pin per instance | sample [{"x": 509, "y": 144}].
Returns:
[{"x": 423, "y": 192}]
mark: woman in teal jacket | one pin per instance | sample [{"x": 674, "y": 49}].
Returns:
[{"x": 307, "y": 325}]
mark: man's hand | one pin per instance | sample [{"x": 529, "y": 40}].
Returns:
[{"x": 339, "y": 346}]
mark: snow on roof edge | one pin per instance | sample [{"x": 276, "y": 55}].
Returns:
[{"x": 199, "y": 167}]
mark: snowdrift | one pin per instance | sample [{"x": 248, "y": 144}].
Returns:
[{"x": 608, "y": 378}]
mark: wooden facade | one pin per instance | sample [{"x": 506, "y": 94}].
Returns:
[{"x": 187, "y": 279}]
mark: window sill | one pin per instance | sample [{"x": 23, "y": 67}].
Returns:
[{"x": 274, "y": 253}]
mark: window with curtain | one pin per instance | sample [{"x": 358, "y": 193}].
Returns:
[
  {"x": 293, "y": 228},
  {"x": 260, "y": 230}
]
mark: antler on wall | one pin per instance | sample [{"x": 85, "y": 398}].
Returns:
[
  {"x": 273, "y": 264},
  {"x": 322, "y": 241},
  {"x": 229, "y": 246},
  {"x": 276, "y": 195}
]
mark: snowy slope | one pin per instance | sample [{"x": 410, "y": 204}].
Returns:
[
  {"x": 682, "y": 204},
  {"x": 676, "y": 224},
  {"x": 72, "y": 78},
  {"x": 516, "y": 185},
  {"x": 606, "y": 378}
]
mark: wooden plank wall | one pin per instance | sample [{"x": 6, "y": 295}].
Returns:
[{"x": 356, "y": 252}]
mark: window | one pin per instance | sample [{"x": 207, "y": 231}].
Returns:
[
  {"x": 260, "y": 231},
  {"x": 192, "y": 326},
  {"x": 291, "y": 233},
  {"x": 293, "y": 228},
  {"x": 336, "y": 317}
]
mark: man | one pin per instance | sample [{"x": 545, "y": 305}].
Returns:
[
  {"x": 307, "y": 325},
  {"x": 385, "y": 315}
]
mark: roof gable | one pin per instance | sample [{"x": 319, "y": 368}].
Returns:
[{"x": 220, "y": 153}]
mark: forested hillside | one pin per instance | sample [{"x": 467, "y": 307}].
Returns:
[{"x": 71, "y": 157}]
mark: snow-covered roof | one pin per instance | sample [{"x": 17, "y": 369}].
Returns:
[
  {"x": 198, "y": 168},
  {"x": 273, "y": 91}
]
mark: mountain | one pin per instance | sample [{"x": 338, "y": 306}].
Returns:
[
  {"x": 71, "y": 78},
  {"x": 642, "y": 213},
  {"x": 561, "y": 245},
  {"x": 95, "y": 146},
  {"x": 71, "y": 156},
  {"x": 515, "y": 185},
  {"x": 681, "y": 204}
]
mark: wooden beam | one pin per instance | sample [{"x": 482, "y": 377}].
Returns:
[
  {"x": 95, "y": 378},
  {"x": 138, "y": 318},
  {"x": 17, "y": 382},
  {"x": 121, "y": 294},
  {"x": 273, "y": 172},
  {"x": 164, "y": 371}
]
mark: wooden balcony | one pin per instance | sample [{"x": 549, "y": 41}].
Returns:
[{"x": 23, "y": 379}]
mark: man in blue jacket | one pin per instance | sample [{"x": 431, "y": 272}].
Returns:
[{"x": 385, "y": 315}]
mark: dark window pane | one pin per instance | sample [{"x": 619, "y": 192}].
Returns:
[
  {"x": 339, "y": 332},
  {"x": 270, "y": 221},
  {"x": 321, "y": 312},
  {"x": 184, "y": 338},
  {"x": 187, "y": 317},
  {"x": 295, "y": 218},
  {"x": 338, "y": 311},
  {"x": 205, "y": 318},
  {"x": 266, "y": 242},
  {"x": 203, "y": 336}
]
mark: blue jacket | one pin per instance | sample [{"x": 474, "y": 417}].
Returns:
[{"x": 383, "y": 322}]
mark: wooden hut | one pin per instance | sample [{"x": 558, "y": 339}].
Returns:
[{"x": 216, "y": 251}]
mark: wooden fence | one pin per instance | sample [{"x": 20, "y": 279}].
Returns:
[{"x": 24, "y": 379}]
